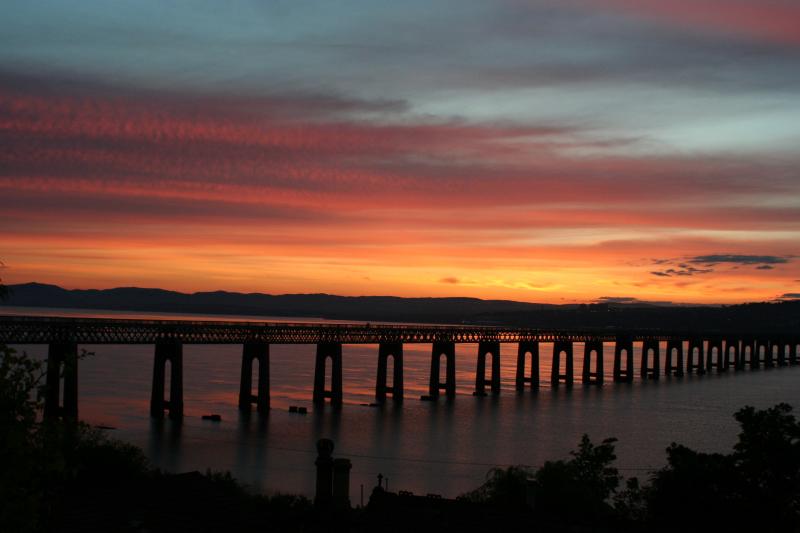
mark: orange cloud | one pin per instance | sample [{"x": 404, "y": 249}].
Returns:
[{"x": 101, "y": 187}]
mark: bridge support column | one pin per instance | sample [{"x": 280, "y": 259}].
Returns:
[
  {"x": 593, "y": 378},
  {"x": 793, "y": 351},
  {"x": 62, "y": 364},
  {"x": 493, "y": 349},
  {"x": 385, "y": 350},
  {"x": 325, "y": 350},
  {"x": 750, "y": 354},
  {"x": 693, "y": 364},
  {"x": 764, "y": 345},
  {"x": 623, "y": 374},
  {"x": 556, "y": 377},
  {"x": 172, "y": 351},
  {"x": 734, "y": 360},
  {"x": 783, "y": 347},
  {"x": 648, "y": 371},
  {"x": 251, "y": 351},
  {"x": 775, "y": 352},
  {"x": 448, "y": 350},
  {"x": 674, "y": 366},
  {"x": 525, "y": 348},
  {"x": 714, "y": 355}
]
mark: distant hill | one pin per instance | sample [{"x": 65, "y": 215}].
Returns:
[
  {"x": 373, "y": 308},
  {"x": 778, "y": 316}
]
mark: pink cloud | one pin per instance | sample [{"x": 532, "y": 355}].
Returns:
[
  {"x": 768, "y": 20},
  {"x": 100, "y": 177}
]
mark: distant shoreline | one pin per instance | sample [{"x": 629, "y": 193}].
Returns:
[{"x": 781, "y": 316}]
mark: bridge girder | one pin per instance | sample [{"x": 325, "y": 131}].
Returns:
[{"x": 46, "y": 330}]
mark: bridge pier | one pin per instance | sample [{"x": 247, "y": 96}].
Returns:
[
  {"x": 766, "y": 361},
  {"x": 749, "y": 354},
  {"x": 735, "y": 360},
  {"x": 448, "y": 350},
  {"x": 525, "y": 348},
  {"x": 62, "y": 364},
  {"x": 696, "y": 364},
  {"x": 258, "y": 351},
  {"x": 648, "y": 371},
  {"x": 325, "y": 350},
  {"x": 674, "y": 367},
  {"x": 593, "y": 378},
  {"x": 782, "y": 346},
  {"x": 386, "y": 350},
  {"x": 793, "y": 345},
  {"x": 623, "y": 374},
  {"x": 493, "y": 349},
  {"x": 172, "y": 351},
  {"x": 714, "y": 355},
  {"x": 556, "y": 377},
  {"x": 774, "y": 353}
]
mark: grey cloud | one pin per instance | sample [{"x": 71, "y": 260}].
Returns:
[
  {"x": 603, "y": 51},
  {"x": 765, "y": 267},
  {"x": 688, "y": 271},
  {"x": 739, "y": 259},
  {"x": 630, "y": 300},
  {"x": 617, "y": 299},
  {"x": 789, "y": 296}
]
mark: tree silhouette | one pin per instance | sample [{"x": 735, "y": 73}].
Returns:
[{"x": 755, "y": 487}]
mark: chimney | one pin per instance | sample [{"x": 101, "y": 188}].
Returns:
[
  {"x": 324, "y": 464},
  {"x": 341, "y": 483}
]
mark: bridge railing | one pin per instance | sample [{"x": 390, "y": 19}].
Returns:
[{"x": 33, "y": 330}]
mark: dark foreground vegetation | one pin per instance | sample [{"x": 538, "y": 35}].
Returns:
[{"x": 65, "y": 476}]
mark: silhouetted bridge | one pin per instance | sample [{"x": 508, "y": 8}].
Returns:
[{"x": 703, "y": 353}]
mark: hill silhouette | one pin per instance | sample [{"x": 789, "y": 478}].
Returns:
[{"x": 781, "y": 317}]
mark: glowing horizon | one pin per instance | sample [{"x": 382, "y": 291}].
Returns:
[{"x": 542, "y": 152}]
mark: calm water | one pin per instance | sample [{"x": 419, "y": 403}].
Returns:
[{"x": 444, "y": 447}]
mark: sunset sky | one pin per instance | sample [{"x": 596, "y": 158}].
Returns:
[{"x": 559, "y": 151}]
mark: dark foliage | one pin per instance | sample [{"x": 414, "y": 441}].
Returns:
[
  {"x": 755, "y": 487},
  {"x": 579, "y": 489},
  {"x": 67, "y": 476},
  {"x": 504, "y": 487},
  {"x": 574, "y": 491}
]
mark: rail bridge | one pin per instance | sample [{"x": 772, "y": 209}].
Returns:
[{"x": 684, "y": 353}]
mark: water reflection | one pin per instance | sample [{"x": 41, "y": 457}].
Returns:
[
  {"x": 164, "y": 445},
  {"x": 442, "y": 447}
]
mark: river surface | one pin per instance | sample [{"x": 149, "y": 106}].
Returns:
[{"x": 426, "y": 447}]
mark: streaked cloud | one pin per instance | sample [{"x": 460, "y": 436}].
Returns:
[
  {"x": 773, "y": 21},
  {"x": 686, "y": 271},
  {"x": 789, "y": 296},
  {"x": 529, "y": 150},
  {"x": 740, "y": 259},
  {"x": 630, "y": 300}
]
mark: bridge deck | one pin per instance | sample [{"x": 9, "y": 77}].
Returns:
[{"x": 44, "y": 330}]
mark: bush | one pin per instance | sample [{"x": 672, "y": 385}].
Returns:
[
  {"x": 755, "y": 487},
  {"x": 579, "y": 489},
  {"x": 504, "y": 487}
]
